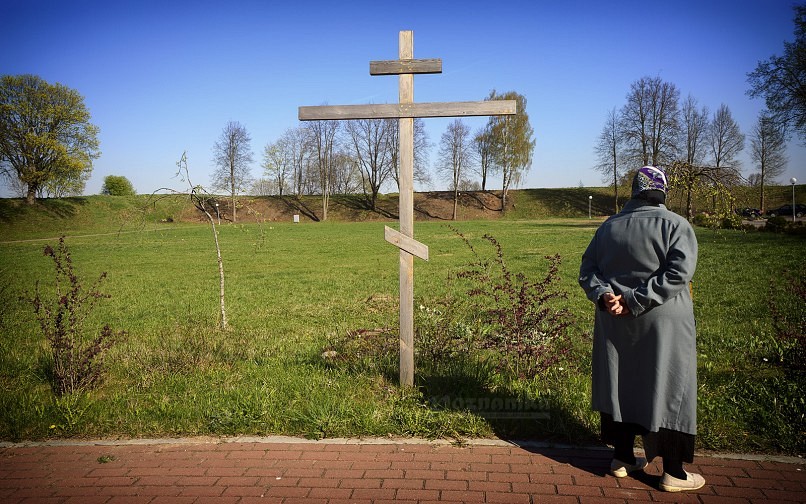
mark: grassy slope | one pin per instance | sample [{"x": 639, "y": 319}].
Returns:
[{"x": 104, "y": 214}]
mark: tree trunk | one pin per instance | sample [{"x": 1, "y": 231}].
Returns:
[
  {"x": 689, "y": 209},
  {"x": 232, "y": 199},
  {"x": 504, "y": 189},
  {"x": 30, "y": 196},
  {"x": 455, "y": 202},
  {"x": 220, "y": 272},
  {"x": 761, "y": 203}
]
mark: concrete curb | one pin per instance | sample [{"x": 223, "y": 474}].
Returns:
[{"x": 526, "y": 444}]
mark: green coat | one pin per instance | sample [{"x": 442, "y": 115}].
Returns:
[{"x": 644, "y": 363}]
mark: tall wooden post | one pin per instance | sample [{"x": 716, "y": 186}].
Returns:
[
  {"x": 405, "y": 111},
  {"x": 406, "y": 152}
]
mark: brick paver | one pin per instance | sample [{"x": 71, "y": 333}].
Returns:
[{"x": 283, "y": 470}]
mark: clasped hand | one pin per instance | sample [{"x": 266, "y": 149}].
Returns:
[{"x": 615, "y": 305}]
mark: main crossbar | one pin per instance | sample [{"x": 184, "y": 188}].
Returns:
[{"x": 397, "y": 111}]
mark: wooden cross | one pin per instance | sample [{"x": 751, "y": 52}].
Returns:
[{"x": 406, "y": 110}]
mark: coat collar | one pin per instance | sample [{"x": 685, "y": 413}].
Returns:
[{"x": 635, "y": 205}]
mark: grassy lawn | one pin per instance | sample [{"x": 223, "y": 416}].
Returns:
[{"x": 294, "y": 291}]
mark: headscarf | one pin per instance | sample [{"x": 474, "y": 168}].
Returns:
[
  {"x": 650, "y": 185},
  {"x": 649, "y": 178}
]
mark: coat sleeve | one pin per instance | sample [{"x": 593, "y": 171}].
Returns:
[
  {"x": 673, "y": 277},
  {"x": 590, "y": 278}
]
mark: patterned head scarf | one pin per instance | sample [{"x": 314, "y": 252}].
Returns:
[{"x": 649, "y": 178}]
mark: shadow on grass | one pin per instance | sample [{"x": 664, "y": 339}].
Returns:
[
  {"x": 572, "y": 202},
  {"x": 359, "y": 204},
  {"x": 465, "y": 384},
  {"x": 421, "y": 210},
  {"x": 16, "y": 209},
  {"x": 477, "y": 201},
  {"x": 296, "y": 205}
]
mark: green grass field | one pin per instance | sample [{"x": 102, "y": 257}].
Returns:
[{"x": 294, "y": 291}]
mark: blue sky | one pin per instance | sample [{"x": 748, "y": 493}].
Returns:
[{"x": 165, "y": 77}]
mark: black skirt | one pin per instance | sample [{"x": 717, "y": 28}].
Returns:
[{"x": 666, "y": 443}]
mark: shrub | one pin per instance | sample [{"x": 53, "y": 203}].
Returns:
[
  {"x": 117, "y": 185},
  {"x": 520, "y": 318},
  {"x": 704, "y": 220},
  {"x": 76, "y": 359},
  {"x": 718, "y": 221},
  {"x": 731, "y": 221},
  {"x": 776, "y": 224},
  {"x": 505, "y": 319}
]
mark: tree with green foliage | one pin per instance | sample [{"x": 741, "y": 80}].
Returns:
[
  {"x": 45, "y": 134},
  {"x": 781, "y": 80},
  {"x": 511, "y": 142},
  {"x": 117, "y": 185}
]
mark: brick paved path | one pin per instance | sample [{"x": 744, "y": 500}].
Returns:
[{"x": 281, "y": 470}]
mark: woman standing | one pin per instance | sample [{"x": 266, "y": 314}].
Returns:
[{"x": 637, "y": 271}]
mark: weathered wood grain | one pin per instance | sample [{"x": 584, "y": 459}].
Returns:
[
  {"x": 406, "y": 144},
  {"x": 405, "y": 66},
  {"x": 408, "y": 110},
  {"x": 403, "y": 242}
]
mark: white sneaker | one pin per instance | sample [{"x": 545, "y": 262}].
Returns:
[
  {"x": 621, "y": 469},
  {"x": 693, "y": 481}
]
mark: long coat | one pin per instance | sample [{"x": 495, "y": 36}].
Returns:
[{"x": 645, "y": 362}]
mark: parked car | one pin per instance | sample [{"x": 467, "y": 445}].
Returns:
[
  {"x": 749, "y": 213},
  {"x": 786, "y": 211}
]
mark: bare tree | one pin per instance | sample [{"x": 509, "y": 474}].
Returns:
[
  {"x": 232, "y": 155},
  {"x": 371, "y": 144},
  {"x": 694, "y": 131},
  {"x": 689, "y": 172},
  {"x": 321, "y": 141},
  {"x": 264, "y": 187},
  {"x": 289, "y": 151},
  {"x": 609, "y": 153},
  {"x": 422, "y": 145},
  {"x": 277, "y": 163},
  {"x": 455, "y": 156},
  {"x": 781, "y": 80},
  {"x": 727, "y": 141},
  {"x": 768, "y": 144},
  {"x": 482, "y": 142},
  {"x": 650, "y": 122},
  {"x": 346, "y": 174}
]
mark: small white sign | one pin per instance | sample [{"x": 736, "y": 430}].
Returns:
[{"x": 296, "y": 218}]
